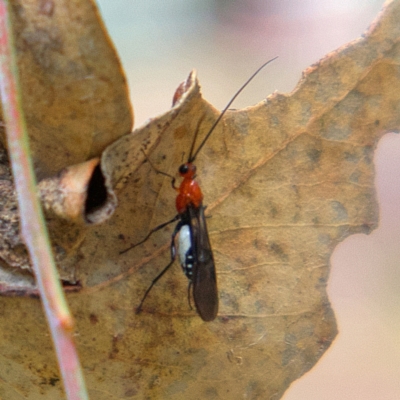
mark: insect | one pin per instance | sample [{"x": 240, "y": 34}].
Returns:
[{"x": 194, "y": 247}]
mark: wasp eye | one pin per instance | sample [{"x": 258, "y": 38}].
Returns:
[{"x": 183, "y": 169}]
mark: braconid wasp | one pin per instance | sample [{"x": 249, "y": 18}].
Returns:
[{"x": 194, "y": 247}]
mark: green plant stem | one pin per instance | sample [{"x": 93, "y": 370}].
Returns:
[{"x": 33, "y": 229}]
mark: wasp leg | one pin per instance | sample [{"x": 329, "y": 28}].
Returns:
[
  {"x": 157, "y": 228},
  {"x": 173, "y": 179},
  {"x": 173, "y": 256}
]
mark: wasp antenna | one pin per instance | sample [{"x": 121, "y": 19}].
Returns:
[
  {"x": 194, "y": 139},
  {"x": 193, "y": 157}
]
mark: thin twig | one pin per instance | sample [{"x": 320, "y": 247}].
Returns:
[{"x": 33, "y": 228}]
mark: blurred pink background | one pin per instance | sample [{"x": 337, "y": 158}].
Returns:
[{"x": 159, "y": 42}]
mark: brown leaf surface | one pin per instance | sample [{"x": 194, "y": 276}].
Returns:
[
  {"x": 285, "y": 181},
  {"x": 76, "y": 103},
  {"x": 74, "y": 93}
]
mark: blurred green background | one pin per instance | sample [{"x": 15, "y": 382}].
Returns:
[{"x": 159, "y": 42}]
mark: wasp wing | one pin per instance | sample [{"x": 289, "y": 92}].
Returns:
[{"x": 205, "y": 292}]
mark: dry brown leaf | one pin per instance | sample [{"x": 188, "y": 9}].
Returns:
[
  {"x": 285, "y": 181},
  {"x": 74, "y": 93},
  {"x": 76, "y": 103}
]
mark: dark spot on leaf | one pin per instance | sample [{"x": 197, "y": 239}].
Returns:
[
  {"x": 230, "y": 301},
  {"x": 154, "y": 381},
  {"x": 314, "y": 155},
  {"x": 253, "y": 390},
  {"x": 131, "y": 392},
  {"x": 262, "y": 305},
  {"x": 340, "y": 211},
  {"x": 278, "y": 250},
  {"x": 273, "y": 211},
  {"x": 368, "y": 154},
  {"x": 93, "y": 319},
  {"x": 366, "y": 228},
  {"x": 53, "y": 381},
  {"x": 355, "y": 177},
  {"x": 211, "y": 393},
  {"x": 315, "y": 220},
  {"x": 351, "y": 157}
]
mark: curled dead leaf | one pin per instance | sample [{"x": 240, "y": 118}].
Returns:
[
  {"x": 66, "y": 195},
  {"x": 74, "y": 93},
  {"x": 75, "y": 102}
]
